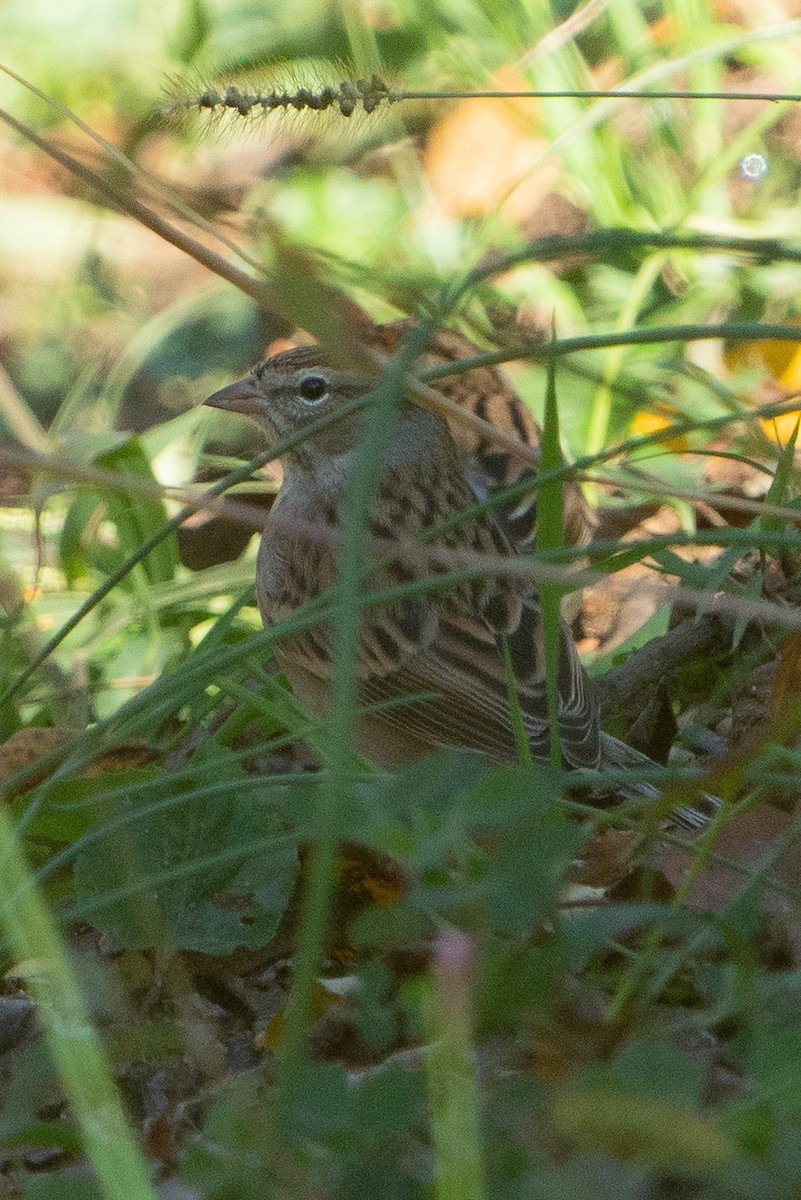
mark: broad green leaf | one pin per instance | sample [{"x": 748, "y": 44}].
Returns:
[
  {"x": 209, "y": 874},
  {"x": 134, "y": 518}
]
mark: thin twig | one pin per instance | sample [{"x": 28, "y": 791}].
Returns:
[{"x": 257, "y": 289}]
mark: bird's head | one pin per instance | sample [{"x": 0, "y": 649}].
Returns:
[{"x": 294, "y": 389}]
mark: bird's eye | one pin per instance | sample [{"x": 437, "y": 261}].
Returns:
[{"x": 313, "y": 388}]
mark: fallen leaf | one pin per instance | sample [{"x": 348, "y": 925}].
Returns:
[{"x": 483, "y": 155}]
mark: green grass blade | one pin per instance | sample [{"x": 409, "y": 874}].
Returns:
[
  {"x": 352, "y": 556},
  {"x": 551, "y": 534},
  {"x": 122, "y": 1171},
  {"x": 452, "y": 1083}
]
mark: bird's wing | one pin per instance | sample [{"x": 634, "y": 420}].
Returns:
[
  {"x": 446, "y": 645},
  {"x": 461, "y": 673}
]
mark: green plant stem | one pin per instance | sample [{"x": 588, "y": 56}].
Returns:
[
  {"x": 166, "y": 530},
  {"x": 257, "y": 289},
  {"x": 522, "y": 746},
  {"x": 351, "y": 560},
  {"x": 551, "y": 535},
  {"x": 73, "y": 1043},
  {"x": 162, "y": 192},
  {"x": 539, "y": 351},
  {"x": 602, "y": 406},
  {"x": 613, "y": 244},
  {"x": 756, "y": 875},
  {"x": 451, "y": 1080}
]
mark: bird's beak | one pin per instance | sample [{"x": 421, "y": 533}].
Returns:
[{"x": 244, "y": 396}]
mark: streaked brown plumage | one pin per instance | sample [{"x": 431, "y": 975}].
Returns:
[
  {"x": 488, "y": 393},
  {"x": 444, "y": 644}
]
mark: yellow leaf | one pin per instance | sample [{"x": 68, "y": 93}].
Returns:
[
  {"x": 780, "y": 429},
  {"x": 482, "y": 154},
  {"x": 782, "y": 360},
  {"x": 644, "y": 423}
]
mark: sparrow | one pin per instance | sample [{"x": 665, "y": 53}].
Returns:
[{"x": 430, "y": 666}]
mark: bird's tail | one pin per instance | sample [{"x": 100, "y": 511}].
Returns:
[{"x": 615, "y": 753}]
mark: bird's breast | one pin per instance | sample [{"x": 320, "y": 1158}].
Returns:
[{"x": 296, "y": 559}]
